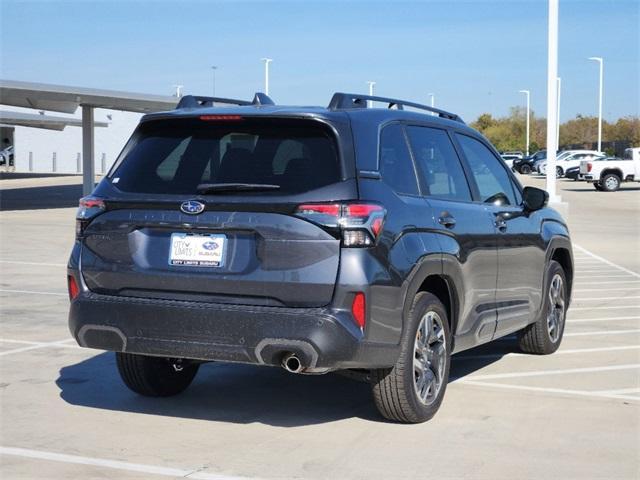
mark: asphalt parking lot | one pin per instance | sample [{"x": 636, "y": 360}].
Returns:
[{"x": 66, "y": 414}]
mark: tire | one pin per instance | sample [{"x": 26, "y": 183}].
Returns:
[
  {"x": 597, "y": 186},
  {"x": 525, "y": 169},
  {"x": 610, "y": 182},
  {"x": 155, "y": 376},
  {"x": 545, "y": 335},
  {"x": 395, "y": 390},
  {"x": 559, "y": 172}
]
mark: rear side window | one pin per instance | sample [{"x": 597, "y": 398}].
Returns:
[
  {"x": 489, "y": 172},
  {"x": 439, "y": 163},
  {"x": 396, "y": 166},
  {"x": 175, "y": 156}
]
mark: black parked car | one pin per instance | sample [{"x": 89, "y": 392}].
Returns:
[
  {"x": 316, "y": 239},
  {"x": 525, "y": 164},
  {"x": 572, "y": 173}
]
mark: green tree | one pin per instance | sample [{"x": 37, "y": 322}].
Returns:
[{"x": 508, "y": 133}]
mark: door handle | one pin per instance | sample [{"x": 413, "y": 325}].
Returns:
[
  {"x": 447, "y": 221},
  {"x": 501, "y": 225}
]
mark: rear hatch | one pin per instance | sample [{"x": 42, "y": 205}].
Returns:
[{"x": 202, "y": 209}]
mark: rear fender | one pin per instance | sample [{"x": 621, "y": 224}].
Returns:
[{"x": 427, "y": 263}]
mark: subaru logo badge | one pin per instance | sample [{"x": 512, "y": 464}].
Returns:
[{"x": 192, "y": 207}]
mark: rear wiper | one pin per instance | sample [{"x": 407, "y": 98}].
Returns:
[{"x": 235, "y": 187}]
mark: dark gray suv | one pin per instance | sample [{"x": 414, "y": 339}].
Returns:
[{"x": 379, "y": 240}]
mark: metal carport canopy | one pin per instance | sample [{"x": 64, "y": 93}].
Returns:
[
  {"x": 66, "y": 99},
  {"x": 34, "y": 120}
]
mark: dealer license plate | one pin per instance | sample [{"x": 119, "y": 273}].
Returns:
[{"x": 196, "y": 250}]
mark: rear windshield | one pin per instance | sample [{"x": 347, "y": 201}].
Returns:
[{"x": 175, "y": 156}]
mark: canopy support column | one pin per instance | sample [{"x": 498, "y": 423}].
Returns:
[{"x": 88, "y": 143}]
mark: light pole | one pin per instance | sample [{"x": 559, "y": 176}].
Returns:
[
  {"x": 371, "y": 87},
  {"x": 552, "y": 98},
  {"x": 528, "y": 94},
  {"x": 214, "y": 68},
  {"x": 433, "y": 101},
  {"x": 559, "y": 88},
  {"x": 601, "y": 62},
  {"x": 266, "y": 61}
]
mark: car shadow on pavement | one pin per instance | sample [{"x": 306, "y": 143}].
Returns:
[
  {"x": 244, "y": 393},
  {"x": 470, "y": 361},
  {"x": 225, "y": 392},
  {"x": 38, "y": 198},
  {"x": 623, "y": 188}
]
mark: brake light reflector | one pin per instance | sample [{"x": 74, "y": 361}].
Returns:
[
  {"x": 88, "y": 208},
  {"x": 358, "y": 309},
  {"x": 360, "y": 223},
  {"x": 361, "y": 209},
  {"x": 332, "y": 209},
  {"x": 589, "y": 166},
  {"x": 72, "y": 285}
]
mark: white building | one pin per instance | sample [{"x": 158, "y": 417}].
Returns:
[
  {"x": 99, "y": 142},
  {"x": 36, "y": 148}
]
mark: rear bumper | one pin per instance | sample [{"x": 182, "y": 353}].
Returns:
[{"x": 324, "y": 339}]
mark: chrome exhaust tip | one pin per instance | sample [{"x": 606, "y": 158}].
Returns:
[{"x": 291, "y": 363}]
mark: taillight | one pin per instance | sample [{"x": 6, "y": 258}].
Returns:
[
  {"x": 358, "y": 309},
  {"x": 589, "y": 166},
  {"x": 88, "y": 208},
  {"x": 360, "y": 223},
  {"x": 72, "y": 285}
]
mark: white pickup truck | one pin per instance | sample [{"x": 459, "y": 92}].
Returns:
[{"x": 607, "y": 175}]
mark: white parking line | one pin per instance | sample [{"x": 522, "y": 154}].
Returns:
[
  {"x": 565, "y": 371},
  {"x": 60, "y": 343},
  {"x": 626, "y": 289},
  {"x": 561, "y": 391},
  {"x": 631, "y": 282},
  {"x": 36, "y": 345},
  {"x": 601, "y": 332},
  {"x": 194, "y": 473},
  {"x": 591, "y": 299},
  {"x": 588, "y": 269},
  {"x": 620, "y": 391},
  {"x": 600, "y": 319},
  {"x": 607, "y": 307},
  {"x": 617, "y": 275},
  {"x": 33, "y": 292},
  {"x": 559, "y": 352},
  {"x": 604, "y": 260},
  {"x": 16, "y": 262}
]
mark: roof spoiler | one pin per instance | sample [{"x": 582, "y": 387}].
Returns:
[
  {"x": 343, "y": 101},
  {"x": 193, "y": 101}
]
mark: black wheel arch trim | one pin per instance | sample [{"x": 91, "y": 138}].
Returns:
[{"x": 429, "y": 265}]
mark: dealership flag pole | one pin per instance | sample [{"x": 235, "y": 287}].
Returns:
[
  {"x": 601, "y": 62},
  {"x": 266, "y": 74},
  {"x": 552, "y": 99},
  {"x": 371, "y": 87},
  {"x": 558, "y": 113},
  {"x": 528, "y": 94}
]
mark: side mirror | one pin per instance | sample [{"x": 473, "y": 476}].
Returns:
[{"x": 534, "y": 199}]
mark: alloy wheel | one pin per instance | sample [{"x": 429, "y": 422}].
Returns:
[
  {"x": 429, "y": 359},
  {"x": 555, "y": 318}
]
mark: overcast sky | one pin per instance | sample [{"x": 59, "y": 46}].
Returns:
[{"x": 474, "y": 55}]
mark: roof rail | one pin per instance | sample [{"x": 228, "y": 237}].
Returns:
[
  {"x": 193, "y": 101},
  {"x": 341, "y": 101}
]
